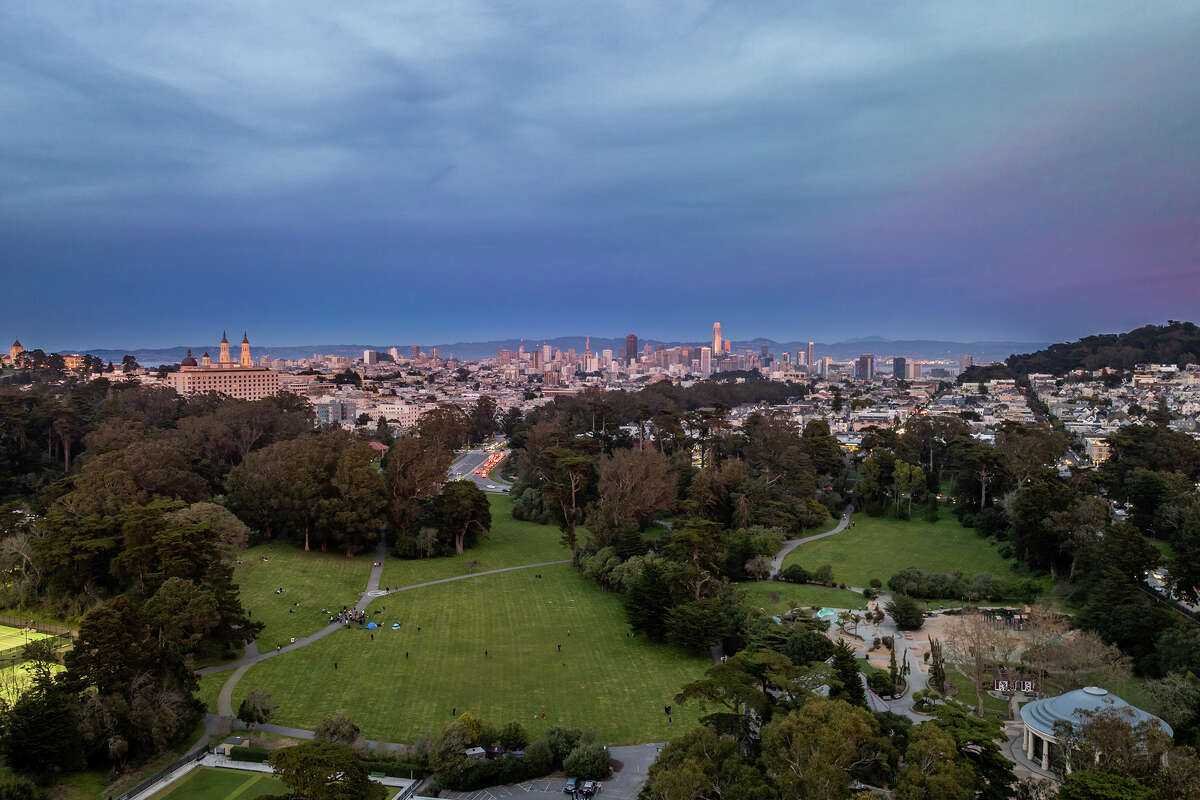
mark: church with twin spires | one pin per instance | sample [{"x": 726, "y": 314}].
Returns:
[{"x": 242, "y": 380}]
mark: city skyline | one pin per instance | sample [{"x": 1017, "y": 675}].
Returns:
[{"x": 922, "y": 170}]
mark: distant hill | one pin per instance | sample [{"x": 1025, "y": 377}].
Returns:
[
  {"x": 1174, "y": 343},
  {"x": 920, "y": 349}
]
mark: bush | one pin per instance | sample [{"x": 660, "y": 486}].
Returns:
[
  {"x": 254, "y": 754},
  {"x": 880, "y": 682},
  {"x": 513, "y": 736},
  {"x": 393, "y": 769},
  {"x": 876, "y": 583},
  {"x": 870, "y": 594},
  {"x": 805, "y": 647},
  {"x": 823, "y": 574},
  {"x": 794, "y": 574},
  {"x": 588, "y": 761}
]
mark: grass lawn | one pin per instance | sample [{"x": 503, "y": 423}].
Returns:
[
  {"x": 316, "y": 580},
  {"x": 213, "y": 783},
  {"x": 602, "y": 679},
  {"x": 510, "y": 543},
  {"x": 16, "y": 679},
  {"x": 210, "y": 687},
  {"x": 774, "y": 597},
  {"x": 966, "y": 694},
  {"x": 879, "y": 547}
]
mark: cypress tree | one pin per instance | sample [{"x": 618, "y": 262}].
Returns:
[{"x": 845, "y": 670}]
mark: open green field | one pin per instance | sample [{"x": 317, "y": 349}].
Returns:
[
  {"x": 774, "y": 597},
  {"x": 510, "y": 543},
  {"x": 601, "y": 680},
  {"x": 314, "y": 580},
  {"x": 210, "y": 687},
  {"x": 213, "y": 783},
  {"x": 879, "y": 547}
]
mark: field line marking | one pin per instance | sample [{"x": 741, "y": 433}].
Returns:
[{"x": 245, "y": 786}]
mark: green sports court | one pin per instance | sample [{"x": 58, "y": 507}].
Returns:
[{"x": 214, "y": 783}]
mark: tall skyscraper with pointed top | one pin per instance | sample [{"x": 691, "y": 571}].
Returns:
[{"x": 718, "y": 346}]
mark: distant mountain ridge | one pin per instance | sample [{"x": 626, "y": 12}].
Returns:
[{"x": 920, "y": 349}]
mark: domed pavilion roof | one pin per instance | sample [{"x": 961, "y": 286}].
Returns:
[{"x": 1042, "y": 714}]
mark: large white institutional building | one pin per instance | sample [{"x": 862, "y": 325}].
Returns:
[{"x": 242, "y": 380}]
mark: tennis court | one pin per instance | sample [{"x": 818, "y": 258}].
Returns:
[
  {"x": 214, "y": 783},
  {"x": 19, "y": 637}
]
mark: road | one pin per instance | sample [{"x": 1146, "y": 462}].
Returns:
[{"x": 465, "y": 466}]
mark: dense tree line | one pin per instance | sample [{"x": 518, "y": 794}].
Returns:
[{"x": 1174, "y": 343}]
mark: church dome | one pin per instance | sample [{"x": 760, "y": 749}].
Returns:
[{"x": 188, "y": 361}]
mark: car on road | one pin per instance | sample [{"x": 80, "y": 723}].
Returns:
[
  {"x": 591, "y": 788},
  {"x": 572, "y": 786},
  {"x": 491, "y": 486}
]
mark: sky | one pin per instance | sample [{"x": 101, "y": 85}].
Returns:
[{"x": 450, "y": 170}]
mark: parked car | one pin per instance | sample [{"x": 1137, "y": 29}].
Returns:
[
  {"x": 572, "y": 786},
  {"x": 591, "y": 788}
]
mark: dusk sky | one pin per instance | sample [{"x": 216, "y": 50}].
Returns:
[{"x": 438, "y": 170}]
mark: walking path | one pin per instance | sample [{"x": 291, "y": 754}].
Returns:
[
  {"x": 252, "y": 656},
  {"x": 792, "y": 544}
]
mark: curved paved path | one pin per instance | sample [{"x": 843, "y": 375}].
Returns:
[
  {"x": 792, "y": 544},
  {"x": 252, "y": 656}
]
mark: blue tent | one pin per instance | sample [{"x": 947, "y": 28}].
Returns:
[
  {"x": 395, "y": 626},
  {"x": 371, "y": 626}
]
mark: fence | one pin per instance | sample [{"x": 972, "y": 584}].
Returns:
[
  {"x": 146, "y": 784},
  {"x": 17, "y": 621},
  {"x": 12, "y": 656}
]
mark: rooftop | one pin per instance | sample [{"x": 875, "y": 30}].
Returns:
[{"x": 1042, "y": 714}]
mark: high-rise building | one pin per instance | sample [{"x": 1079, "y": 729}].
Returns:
[
  {"x": 728, "y": 344},
  {"x": 631, "y": 348},
  {"x": 706, "y": 361},
  {"x": 718, "y": 346},
  {"x": 394, "y": 352},
  {"x": 965, "y": 362},
  {"x": 864, "y": 367},
  {"x": 547, "y": 355},
  {"x": 810, "y": 353},
  {"x": 370, "y": 357},
  {"x": 416, "y": 352},
  {"x": 801, "y": 358},
  {"x": 900, "y": 367},
  {"x": 434, "y": 354}
]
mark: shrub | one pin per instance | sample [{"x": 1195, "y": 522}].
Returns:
[
  {"x": 588, "y": 761},
  {"x": 539, "y": 757},
  {"x": 805, "y": 647},
  {"x": 254, "y": 754},
  {"x": 823, "y": 574},
  {"x": 513, "y": 736},
  {"x": 880, "y": 682},
  {"x": 876, "y": 583},
  {"x": 794, "y": 573}
]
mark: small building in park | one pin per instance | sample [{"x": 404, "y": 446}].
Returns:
[{"x": 1040, "y": 716}]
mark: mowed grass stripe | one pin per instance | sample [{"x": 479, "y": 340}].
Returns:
[
  {"x": 601, "y": 680},
  {"x": 214, "y": 783}
]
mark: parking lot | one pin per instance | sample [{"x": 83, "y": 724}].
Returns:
[{"x": 622, "y": 785}]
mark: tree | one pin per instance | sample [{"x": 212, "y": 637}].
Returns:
[
  {"x": 322, "y": 771},
  {"x": 806, "y": 647},
  {"x": 976, "y": 739},
  {"x": 257, "y": 708},
  {"x": 338, "y": 729},
  {"x": 813, "y": 750},
  {"x": 906, "y": 612},
  {"x": 848, "y": 685},
  {"x": 587, "y": 761},
  {"x": 632, "y": 486},
  {"x": 463, "y": 509},
  {"x": 483, "y": 418},
  {"x": 933, "y": 769},
  {"x": 1101, "y": 786},
  {"x": 40, "y": 733},
  {"x": 446, "y": 425},
  {"x": 414, "y": 471},
  {"x": 972, "y": 641},
  {"x": 647, "y": 602}
]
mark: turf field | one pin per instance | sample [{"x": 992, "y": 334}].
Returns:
[
  {"x": 212, "y": 783},
  {"x": 315, "y": 580},
  {"x": 774, "y": 597},
  {"x": 601, "y": 679},
  {"x": 210, "y": 687},
  {"x": 879, "y": 547},
  {"x": 510, "y": 543}
]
